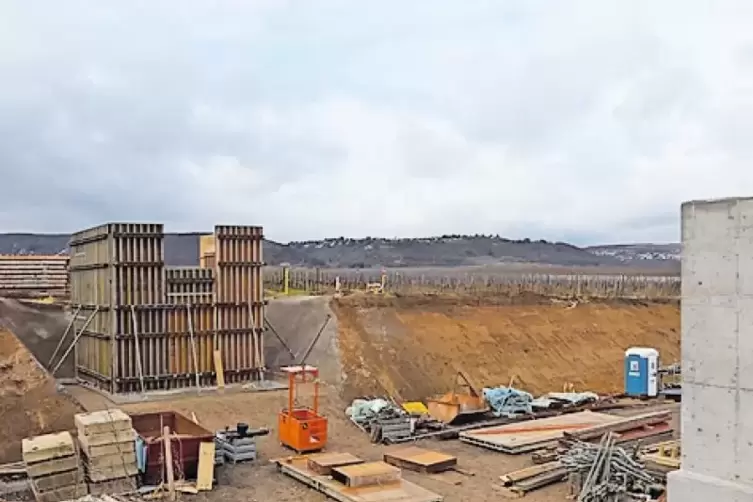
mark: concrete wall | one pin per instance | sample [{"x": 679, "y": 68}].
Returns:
[{"x": 717, "y": 353}]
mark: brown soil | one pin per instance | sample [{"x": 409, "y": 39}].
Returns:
[
  {"x": 29, "y": 401},
  {"x": 260, "y": 481},
  {"x": 411, "y": 348}
]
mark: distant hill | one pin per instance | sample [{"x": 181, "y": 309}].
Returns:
[{"x": 448, "y": 250}]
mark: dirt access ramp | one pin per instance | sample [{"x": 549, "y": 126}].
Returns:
[
  {"x": 411, "y": 347},
  {"x": 297, "y": 320},
  {"x": 39, "y": 327},
  {"x": 30, "y": 402}
]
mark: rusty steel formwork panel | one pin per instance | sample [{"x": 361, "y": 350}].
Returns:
[
  {"x": 117, "y": 280},
  {"x": 239, "y": 300}
]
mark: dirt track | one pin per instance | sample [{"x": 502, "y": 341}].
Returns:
[{"x": 410, "y": 348}]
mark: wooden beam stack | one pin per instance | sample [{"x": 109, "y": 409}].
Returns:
[
  {"x": 52, "y": 465},
  {"x": 107, "y": 441}
]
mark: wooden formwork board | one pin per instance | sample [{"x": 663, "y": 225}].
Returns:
[
  {"x": 399, "y": 491},
  {"x": 531, "y": 435},
  {"x": 323, "y": 463},
  {"x": 118, "y": 264},
  {"x": 180, "y": 322},
  {"x": 144, "y": 335},
  {"x": 189, "y": 285},
  {"x": 420, "y": 459},
  {"x": 239, "y": 336},
  {"x": 238, "y": 264}
]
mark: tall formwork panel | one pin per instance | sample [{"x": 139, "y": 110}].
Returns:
[
  {"x": 190, "y": 325},
  {"x": 239, "y": 301},
  {"x": 117, "y": 285}
]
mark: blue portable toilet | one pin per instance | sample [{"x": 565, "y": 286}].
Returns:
[{"x": 641, "y": 372}]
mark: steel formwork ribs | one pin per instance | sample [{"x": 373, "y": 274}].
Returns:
[{"x": 147, "y": 327}]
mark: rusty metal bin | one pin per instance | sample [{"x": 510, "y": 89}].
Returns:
[{"x": 185, "y": 447}]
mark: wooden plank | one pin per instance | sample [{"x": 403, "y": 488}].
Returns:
[
  {"x": 106, "y": 449},
  {"x": 534, "y": 435},
  {"x": 112, "y": 472},
  {"x": 527, "y": 472},
  {"x": 52, "y": 466},
  {"x": 420, "y": 460},
  {"x": 622, "y": 424},
  {"x": 399, "y": 491},
  {"x": 366, "y": 474},
  {"x": 67, "y": 493},
  {"x": 218, "y": 368},
  {"x": 323, "y": 463},
  {"x": 61, "y": 480},
  {"x": 117, "y": 460},
  {"x": 169, "y": 462},
  {"x": 554, "y": 475},
  {"x": 205, "y": 475},
  {"x": 47, "y": 447},
  {"x": 107, "y": 438},
  {"x": 100, "y": 422}
]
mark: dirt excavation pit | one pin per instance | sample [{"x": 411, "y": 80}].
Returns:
[
  {"x": 29, "y": 401},
  {"x": 411, "y": 348}
]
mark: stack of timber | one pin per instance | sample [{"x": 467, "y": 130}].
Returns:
[
  {"x": 107, "y": 441},
  {"x": 239, "y": 300},
  {"x": 543, "y": 433},
  {"x": 347, "y": 478},
  {"x": 53, "y": 467},
  {"x": 33, "y": 276},
  {"x": 143, "y": 326},
  {"x": 532, "y": 478}
]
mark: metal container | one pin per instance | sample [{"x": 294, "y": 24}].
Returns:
[{"x": 185, "y": 448}]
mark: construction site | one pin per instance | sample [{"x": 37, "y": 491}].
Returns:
[{"x": 135, "y": 380}]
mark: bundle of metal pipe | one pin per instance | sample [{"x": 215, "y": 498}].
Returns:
[{"x": 606, "y": 472}]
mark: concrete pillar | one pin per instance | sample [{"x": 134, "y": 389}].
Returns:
[{"x": 717, "y": 353}]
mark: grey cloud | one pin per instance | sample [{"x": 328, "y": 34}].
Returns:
[{"x": 392, "y": 118}]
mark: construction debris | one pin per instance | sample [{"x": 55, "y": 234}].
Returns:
[
  {"x": 508, "y": 402},
  {"x": 607, "y": 473},
  {"x": 108, "y": 444},
  {"x": 464, "y": 402},
  {"x": 53, "y": 468},
  {"x": 384, "y": 421},
  {"x": 665, "y": 454},
  {"x": 557, "y": 400}
]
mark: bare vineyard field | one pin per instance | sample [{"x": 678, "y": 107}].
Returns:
[{"x": 511, "y": 280}]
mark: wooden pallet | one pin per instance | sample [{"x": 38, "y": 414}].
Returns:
[{"x": 399, "y": 491}]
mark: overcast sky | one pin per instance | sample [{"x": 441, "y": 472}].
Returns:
[{"x": 588, "y": 121}]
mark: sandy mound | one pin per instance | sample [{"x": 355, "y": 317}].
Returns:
[
  {"x": 29, "y": 402},
  {"x": 410, "y": 348}
]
